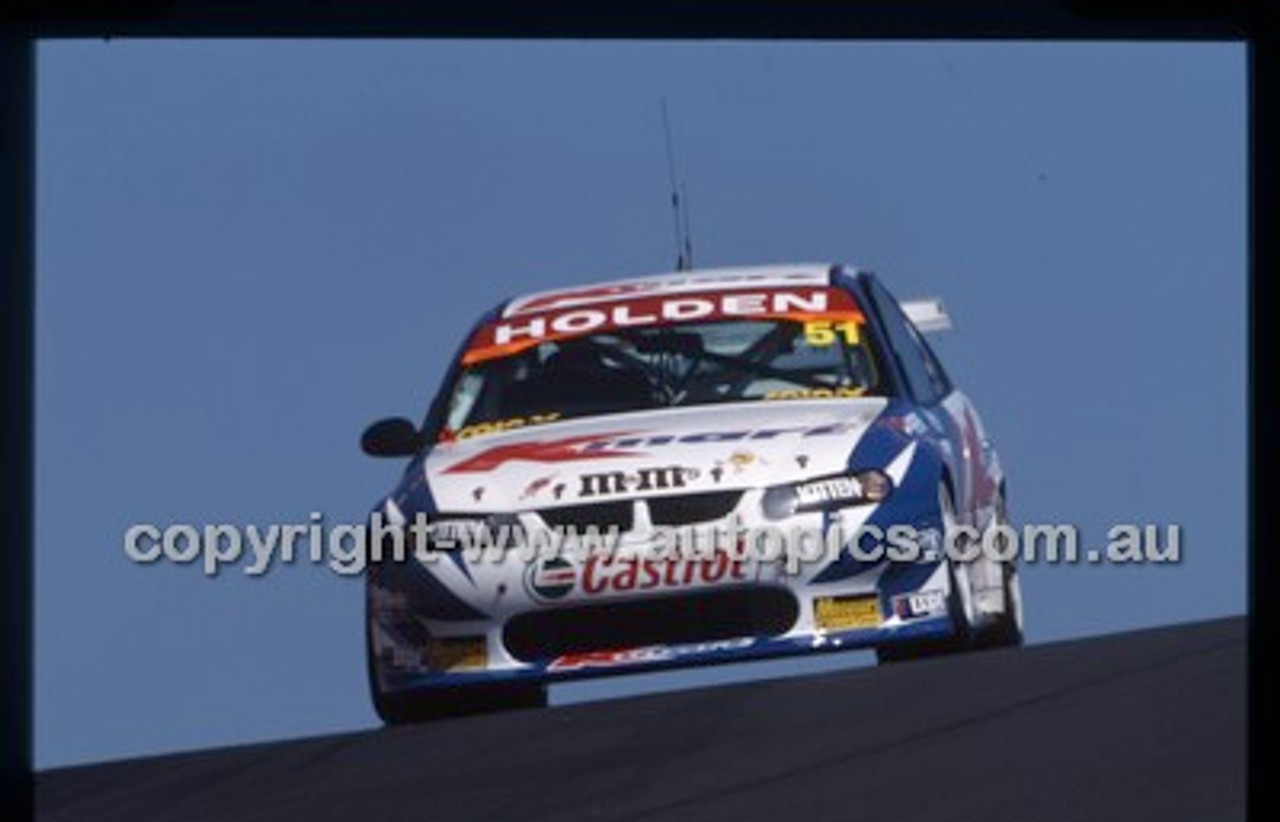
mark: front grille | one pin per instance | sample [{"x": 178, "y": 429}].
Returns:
[
  {"x": 692, "y": 508},
  {"x": 705, "y": 616},
  {"x": 603, "y": 515}
]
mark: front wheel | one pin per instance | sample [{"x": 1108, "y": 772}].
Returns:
[
  {"x": 959, "y": 606},
  {"x": 1003, "y": 629}
]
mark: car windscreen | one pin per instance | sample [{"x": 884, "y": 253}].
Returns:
[{"x": 604, "y": 360}]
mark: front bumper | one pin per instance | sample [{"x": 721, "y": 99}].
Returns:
[{"x": 908, "y": 600}]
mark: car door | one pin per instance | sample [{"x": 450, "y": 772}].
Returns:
[{"x": 953, "y": 426}]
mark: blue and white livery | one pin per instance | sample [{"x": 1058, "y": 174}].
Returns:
[{"x": 713, "y": 406}]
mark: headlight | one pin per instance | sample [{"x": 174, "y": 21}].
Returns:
[{"x": 825, "y": 493}]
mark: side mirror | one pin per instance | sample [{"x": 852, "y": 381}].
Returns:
[{"x": 392, "y": 437}]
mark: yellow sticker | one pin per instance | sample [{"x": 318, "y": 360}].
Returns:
[
  {"x": 454, "y": 653},
  {"x": 482, "y": 428},
  {"x": 846, "y": 613},
  {"x": 814, "y": 393},
  {"x": 821, "y": 333}
]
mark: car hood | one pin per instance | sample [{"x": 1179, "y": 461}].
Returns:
[{"x": 649, "y": 453}]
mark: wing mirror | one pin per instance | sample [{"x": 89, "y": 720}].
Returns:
[{"x": 391, "y": 437}]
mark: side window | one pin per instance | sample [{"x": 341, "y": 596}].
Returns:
[
  {"x": 937, "y": 374},
  {"x": 925, "y": 378}
]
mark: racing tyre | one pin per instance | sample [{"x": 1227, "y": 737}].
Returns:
[
  {"x": 1005, "y": 630},
  {"x": 958, "y": 606}
]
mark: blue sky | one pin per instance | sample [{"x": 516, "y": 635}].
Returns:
[{"x": 247, "y": 250}]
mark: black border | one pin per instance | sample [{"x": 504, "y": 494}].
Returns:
[
  {"x": 22, "y": 25},
  {"x": 17, "y": 302}
]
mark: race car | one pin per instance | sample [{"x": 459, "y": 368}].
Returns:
[{"x": 622, "y": 477}]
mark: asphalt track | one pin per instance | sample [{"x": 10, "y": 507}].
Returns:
[{"x": 1145, "y": 725}]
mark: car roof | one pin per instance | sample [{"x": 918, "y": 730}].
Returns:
[{"x": 776, "y": 275}]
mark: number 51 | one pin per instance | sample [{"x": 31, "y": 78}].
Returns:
[{"x": 823, "y": 332}]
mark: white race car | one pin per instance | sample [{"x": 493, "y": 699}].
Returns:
[{"x": 635, "y": 475}]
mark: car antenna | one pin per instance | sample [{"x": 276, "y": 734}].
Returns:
[{"x": 679, "y": 202}]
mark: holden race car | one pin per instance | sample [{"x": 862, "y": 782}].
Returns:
[{"x": 772, "y": 400}]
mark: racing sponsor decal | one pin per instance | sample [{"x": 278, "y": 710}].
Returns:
[
  {"x": 839, "y": 392},
  {"x": 822, "y": 333},
  {"x": 564, "y": 298},
  {"x": 560, "y": 299},
  {"x": 624, "y": 444},
  {"x": 550, "y": 579},
  {"x": 845, "y": 613},
  {"x": 555, "y": 578},
  {"x": 562, "y": 450},
  {"x": 615, "y": 441},
  {"x": 537, "y": 486},
  {"x": 831, "y": 489},
  {"x": 921, "y": 603},
  {"x": 456, "y": 653},
  {"x": 824, "y": 307},
  {"x": 647, "y": 654},
  {"x": 605, "y": 574},
  {"x": 481, "y": 428},
  {"x": 642, "y": 479}
]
